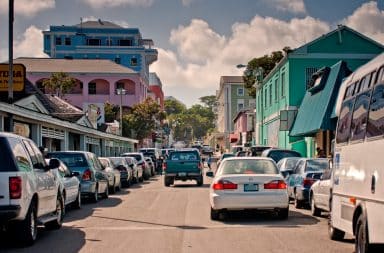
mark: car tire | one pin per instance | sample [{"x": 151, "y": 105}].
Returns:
[
  {"x": 113, "y": 188},
  {"x": 215, "y": 214},
  {"x": 361, "y": 232},
  {"x": 334, "y": 233},
  {"x": 95, "y": 195},
  {"x": 200, "y": 181},
  {"x": 168, "y": 181},
  {"x": 282, "y": 214},
  {"x": 77, "y": 203},
  {"x": 106, "y": 193},
  {"x": 59, "y": 212},
  {"x": 297, "y": 203},
  {"x": 314, "y": 210},
  {"x": 26, "y": 230}
]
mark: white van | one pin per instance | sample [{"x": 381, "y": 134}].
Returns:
[{"x": 358, "y": 184}]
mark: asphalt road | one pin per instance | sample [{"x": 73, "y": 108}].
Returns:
[{"x": 150, "y": 217}]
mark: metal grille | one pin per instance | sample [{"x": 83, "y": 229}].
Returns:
[
  {"x": 94, "y": 141},
  {"x": 52, "y": 133}
]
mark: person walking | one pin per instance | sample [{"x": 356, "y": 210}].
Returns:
[{"x": 209, "y": 161}]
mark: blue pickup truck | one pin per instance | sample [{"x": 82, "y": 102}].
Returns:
[{"x": 183, "y": 165}]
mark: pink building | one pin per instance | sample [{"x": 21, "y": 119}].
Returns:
[
  {"x": 243, "y": 127},
  {"x": 96, "y": 80},
  {"x": 156, "y": 88}
]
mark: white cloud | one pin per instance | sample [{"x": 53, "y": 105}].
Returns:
[
  {"x": 186, "y": 2},
  {"x": 27, "y": 8},
  {"x": 98, "y": 4},
  {"x": 294, "y": 6},
  {"x": 369, "y": 20},
  {"x": 30, "y": 44}
]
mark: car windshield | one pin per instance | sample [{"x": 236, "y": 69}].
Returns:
[
  {"x": 317, "y": 165},
  {"x": 289, "y": 164},
  {"x": 227, "y": 155},
  {"x": 249, "y": 166},
  {"x": 6, "y": 163},
  {"x": 277, "y": 155},
  {"x": 70, "y": 159}
]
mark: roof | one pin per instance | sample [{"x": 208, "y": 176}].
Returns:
[
  {"x": 231, "y": 79},
  {"x": 316, "y": 109},
  {"x": 98, "y": 24},
  {"x": 52, "y": 65}
]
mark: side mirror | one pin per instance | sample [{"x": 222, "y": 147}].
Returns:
[
  {"x": 209, "y": 174},
  {"x": 54, "y": 163}
]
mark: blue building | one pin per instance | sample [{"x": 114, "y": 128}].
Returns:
[{"x": 101, "y": 40}]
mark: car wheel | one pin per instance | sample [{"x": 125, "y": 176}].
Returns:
[
  {"x": 334, "y": 233},
  {"x": 113, "y": 188},
  {"x": 26, "y": 230},
  {"x": 200, "y": 181},
  {"x": 314, "y": 210},
  {"x": 361, "y": 242},
  {"x": 298, "y": 203},
  {"x": 95, "y": 195},
  {"x": 59, "y": 212},
  {"x": 215, "y": 214},
  {"x": 282, "y": 214},
  {"x": 77, "y": 203},
  {"x": 167, "y": 181},
  {"x": 106, "y": 193}
]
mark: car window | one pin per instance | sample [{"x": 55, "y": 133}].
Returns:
[
  {"x": 316, "y": 165},
  {"x": 299, "y": 167},
  {"x": 19, "y": 153},
  {"x": 71, "y": 160},
  {"x": 6, "y": 161},
  {"x": 277, "y": 155},
  {"x": 248, "y": 167},
  {"x": 35, "y": 154}
]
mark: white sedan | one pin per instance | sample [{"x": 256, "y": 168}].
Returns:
[{"x": 244, "y": 183}]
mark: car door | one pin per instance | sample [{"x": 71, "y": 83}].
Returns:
[
  {"x": 100, "y": 175},
  {"x": 71, "y": 183},
  {"x": 292, "y": 178},
  {"x": 46, "y": 181},
  {"x": 324, "y": 189}
]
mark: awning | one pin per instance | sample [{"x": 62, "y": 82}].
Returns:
[
  {"x": 234, "y": 137},
  {"x": 315, "y": 112}
]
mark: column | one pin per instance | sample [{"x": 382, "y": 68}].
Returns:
[
  {"x": 83, "y": 145},
  {"x": 36, "y": 134},
  {"x": 64, "y": 144}
]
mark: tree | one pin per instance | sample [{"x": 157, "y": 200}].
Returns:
[
  {"x": 60, "y": 83},
  {"x": 110, "y": 112},
  {"x": 173, "y": 107},
  {"x": 209, "y": 101},
  {"x": 141, "y": 122},
  {"x": 266, "y": 63}
]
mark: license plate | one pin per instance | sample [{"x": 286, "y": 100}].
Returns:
[
  {"x": 182, "y": 174},
  {"x": 251, "y": 187}
]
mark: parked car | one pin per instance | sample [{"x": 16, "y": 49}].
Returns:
[
  {"x": 151, "y": 165},
  {"x": 257, "y": 150},
  {"x": 94, "y": 181},
  {"x": 140, "y": 162},
  {"x": 320, "y": 195},
  {"x": 244, "y": 183},
  {"x": 277, "y": 154},
  {"x": 206, "y": 150},
  {"x": 137, "y": 170},
  {"x": 126, "y": 172},
  {"x": 29, "y": 191},
  {"x": 154, "y": 153},
  {"x": 114, "y": 176},
  {"x": 69, "y": 185},
  {"x": 286, "y": 165},
  {"x": 306, "y": 172}
]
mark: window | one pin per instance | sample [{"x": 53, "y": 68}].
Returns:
[
  {"x": 93, "y": 42},
  {"x": 380, "y": 75},
  {"x": 92, "y": 88},
  {"x": 375, "y": 125},
  {"x": 133, "y": 61},
  {"x": 349, "y": 91},
  {"x": 344, "y": 124},
  {"x": 359, "y": 117},
  {"x": 240, "y": 92},
  {"x": 270, "y": 94},
  {"x": 108, "y": 42},
  {"x": 265, "y": 97},
  {"x": 366, "y": 82},
  {"x": 276, "y": 89},
  {"x": 283, "y": 84},
  {"x": 308, "y": 76},
  {"x": 35, "y": 154},
  {"x": 119, "y": 85},
  {"x": 125, "y": 43},
  {"x": 240, "y": 104},
  {"x": 67, "y": 41},
  {"x": 58, "y": 40},
  {"x": 21, "y": 156}
]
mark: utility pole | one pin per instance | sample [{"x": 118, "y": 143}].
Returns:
[{"x": 10, "y": 51}]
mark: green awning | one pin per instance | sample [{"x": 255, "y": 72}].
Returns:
[{"x": 315, "y": 112}]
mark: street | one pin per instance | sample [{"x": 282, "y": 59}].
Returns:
[{"x": 150, "y": 217}]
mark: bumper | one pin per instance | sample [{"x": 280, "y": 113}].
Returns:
[
  {"x": 8, "y": 213},
  {"x": 244, "y": 201},
  {"x": 184, "y": 175},
  {"x": 88, "y": 187}
]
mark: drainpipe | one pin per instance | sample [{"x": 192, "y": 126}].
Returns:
[{"x": 339, "y": 27}]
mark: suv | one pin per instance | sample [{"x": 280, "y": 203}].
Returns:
[{"x": 29, "y": 191}]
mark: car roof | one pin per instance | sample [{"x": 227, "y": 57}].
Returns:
[{"x": 248, "y": 158}]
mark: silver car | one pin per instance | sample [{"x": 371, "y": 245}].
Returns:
[
  {"x": 113, "y": 174},
  {"x": 320, "y": 195},
  {"x": 243, "y": 183}
]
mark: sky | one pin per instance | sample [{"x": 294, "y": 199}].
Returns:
[{"x": 198, "y": 41}]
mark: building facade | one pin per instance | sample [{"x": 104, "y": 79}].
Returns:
[
  {"x": 156, "y": 88},
  {"x": 102, "y": 40},
  {"x": 232, "y": 97},
  {"x": 280, "y": 94}
]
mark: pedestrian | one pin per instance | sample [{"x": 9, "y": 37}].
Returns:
[{"x": 209, "y": 161}]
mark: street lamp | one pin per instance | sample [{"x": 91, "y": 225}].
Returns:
[{"x": 121, "y": 92}]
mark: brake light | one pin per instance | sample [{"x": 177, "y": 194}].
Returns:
[
  {"x": 224, "y": 185},
  {"x": 15, "y": 187},
  {"x": 275, "y": 184},
  {"x": 87, "y": 175},
  {"x": 307, "y": 182},
  {"x": 164, "y": 166}
]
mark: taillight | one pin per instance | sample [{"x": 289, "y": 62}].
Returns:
[
  {"x": 275, "y": 184},
  {"x": 224, "y": 185},
  {"x": 15, "y": 187},
  {"x": 164, "y": 166},
  {"x": 307, "y": 182},
  {"x": 87, "y": 175}
]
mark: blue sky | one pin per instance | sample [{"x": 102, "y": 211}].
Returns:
[{"x": 198, "y": 40}]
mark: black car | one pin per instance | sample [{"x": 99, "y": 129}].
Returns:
[{"x": 278, "y": 154}]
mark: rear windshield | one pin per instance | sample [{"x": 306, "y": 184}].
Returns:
[
  {"x": 137, "y": 157},
  {"x": 317, "y": 165},
  {"x": 249, "y": 167},
  {"x": 280, "y": 154},
  {"x": 117, "y": 161},
  {"x": 183, "y": 156},
  {"x": 6, "y": 158},
  {"x": 71, "y": 160}
]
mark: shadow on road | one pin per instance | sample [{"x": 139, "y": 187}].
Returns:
[{"x": 66, "y": 239}]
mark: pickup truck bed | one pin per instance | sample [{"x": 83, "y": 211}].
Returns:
[{"x": 183, "y": 165}]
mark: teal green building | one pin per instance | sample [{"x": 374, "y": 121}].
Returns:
[{"x": 279, "y": 95}]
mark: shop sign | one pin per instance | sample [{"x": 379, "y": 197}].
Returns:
[{"x": 18, "y": 77}]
